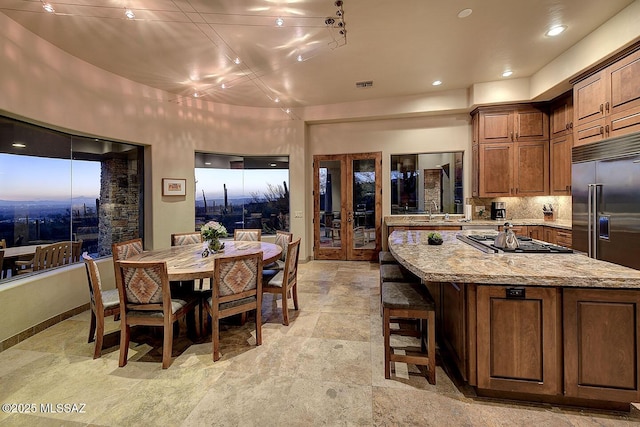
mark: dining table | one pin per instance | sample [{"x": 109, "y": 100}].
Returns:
[{"x": 188, "y": 263}]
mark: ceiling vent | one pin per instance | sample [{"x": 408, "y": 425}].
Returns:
[{"x": 368, "y": 83}]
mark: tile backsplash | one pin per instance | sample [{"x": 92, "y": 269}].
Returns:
[{"x": 525, "y": 207}]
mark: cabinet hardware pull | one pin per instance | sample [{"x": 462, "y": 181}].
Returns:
[
  {"x": 606, "y": 107},
  {"x": 566, "y": 126},
  {"x": 606, "y": 129},
  {"x": 512, "y": 136},
  {"x": 601, "y": 130},
  {"x": 570, "y": 125},
  {"x": 516, "y": 135},
  {"x": 601, "y": 107}
]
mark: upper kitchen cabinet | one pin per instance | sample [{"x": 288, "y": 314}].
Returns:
[
  {"x": 607, "y": 102},
  {"x": 561, "y": 116},
  {"x": 511, "y": 123}
]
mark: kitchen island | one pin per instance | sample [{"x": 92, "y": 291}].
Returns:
[{"x": 560, "y": 328}]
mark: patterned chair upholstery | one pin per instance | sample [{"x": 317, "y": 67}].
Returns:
[
  {"x": 145, "y": 299},
  {"x": 247, "y": 234},
  {"x": 237, "y": 289},
  {"x": 124, "y": 250},
  {"x": 283, "y": 238},
  {"x": 286, "y": 281},
  {"x": 182, "y": 239},
  {"x": 104, "y": 303}
]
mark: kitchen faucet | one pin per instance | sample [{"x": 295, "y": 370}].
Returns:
[{"x": 435, "y": 205}]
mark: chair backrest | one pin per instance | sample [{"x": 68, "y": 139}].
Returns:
[
  {"x": 124, "y": 250},
  {"x": 93, "y": 278},
  {"x": 143, "y": 286},
  {"x": 1, "y": 261},
  {"x": 247, "y": 234},
  {"x": 76, "y": 250},
  {"x": 3, "y": 244},
  {"x": 237, "y": 277},
  {"x": 291, "y": 264},
  {"x": 53, "y": 255},
  {"x": 283, "y": 238},
  {"x": 181, "y": 239}
]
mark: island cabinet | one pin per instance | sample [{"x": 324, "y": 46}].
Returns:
[
  {"x": 519, "y": 339},
  {"x": 601, "y": 347},
  {"x": 607, "y": 102}
]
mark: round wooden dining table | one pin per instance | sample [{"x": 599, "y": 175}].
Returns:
[{"x": 187, "y": 263}]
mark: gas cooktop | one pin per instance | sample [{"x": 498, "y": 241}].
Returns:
[{"x": 527, "y": 245}]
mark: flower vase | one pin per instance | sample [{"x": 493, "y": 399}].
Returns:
[{"x": 215, "y": 245}]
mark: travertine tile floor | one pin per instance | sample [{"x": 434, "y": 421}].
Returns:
[{"x": 326, "y": 368}]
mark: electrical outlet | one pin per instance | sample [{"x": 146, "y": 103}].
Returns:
[
  {"x": 479, "y": 208},
  {"x": 298, "y": 214}
]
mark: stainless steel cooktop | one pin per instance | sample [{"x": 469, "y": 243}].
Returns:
[{"x": 527, "y": 245}]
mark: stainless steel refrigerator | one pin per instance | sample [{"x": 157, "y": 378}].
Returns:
[{"x": 606, "y": 200}]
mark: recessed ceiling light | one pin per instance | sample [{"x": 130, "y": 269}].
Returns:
[
  {"x": 237, "y": 61},
  {"x": 48, "y": 8},
  {"x": 464, "y": 13},
  {"x": 288, "y": 110},
  {"x": 18, "y": 145},
  {"x": 195, "y": 95},
  {"x": 554, "y": 31},
  {"x": 507, "y": 73},
  {"x": 129, "y": 14},
  {"x": 279, "y": 22},
  {"x": 223, "y": 86},
  {"x": 437, "y": 83},
  {"x": 276, "y": 100},
  {"x": 300, "y": 58}
]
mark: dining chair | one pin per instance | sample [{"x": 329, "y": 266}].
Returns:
[
  {"x": 285, "y": 282},
  {"x": 145, "y": 299},
  {"x": 3, "y": 244},
  {"x": 76, "y": 250},
  {"x": 48, "y": 256},
  {"x": 247, "y": 234},
  {"x": 104, "y": 303},
  {"x": 237, "y": 288},
  {"x": 283, "y": 238},
  {"x": 1, "y": 261},
  {"x": 123, "y": 250},
  {"x": 181, "y": 239}
]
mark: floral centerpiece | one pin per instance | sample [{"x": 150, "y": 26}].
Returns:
[{"x": 212, "y": 231}]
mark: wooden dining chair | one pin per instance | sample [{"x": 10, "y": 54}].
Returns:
[
  {"x": 48, "y": 256},
  {"x": 181, "y": 239},
  {"x": 247, "y": 234},
  {"x": 237, "y": 288},
  {"x": 285, "y": 282},
  {"x": 145, "y": 299},
  {"x": 104, "y": 303},
  {"x": 123, "y": 250},
  {"x": 76, "y": 250},
  {"x": 283, "y": 238}
]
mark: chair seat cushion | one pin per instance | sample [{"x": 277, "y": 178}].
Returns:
[
  {"x": 110, "y": 298},
  {"x": 273, "y": 280},
  {"x": 236, "y": 303},
  {"x": 276, "y": 265},
  {"x": 406, "y": 295},
  {"x": 176, "y": 304},
  {"x": 385, "y": 257},
  {"x": 396, "y": 273}
]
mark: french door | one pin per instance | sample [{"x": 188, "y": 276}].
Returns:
[{"x": 347, "y": 206}]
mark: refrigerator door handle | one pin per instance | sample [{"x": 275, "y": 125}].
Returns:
[{"x": 590, "y": 227}]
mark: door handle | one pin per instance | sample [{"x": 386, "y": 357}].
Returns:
[{"x": 350, "y": 217}]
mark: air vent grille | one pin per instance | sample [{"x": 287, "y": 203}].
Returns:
[
  {"x": 623, "y": 146},
  {"x": 368, "y": 83}
]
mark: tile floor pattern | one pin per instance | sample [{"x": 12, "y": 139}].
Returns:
[{"x": 326, "y": 368}]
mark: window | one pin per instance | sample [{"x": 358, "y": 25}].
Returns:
[
  {"x": 242, "y": 191},
  {"x": 59, "y": 187},
  {"x": 423, "y": 183}
]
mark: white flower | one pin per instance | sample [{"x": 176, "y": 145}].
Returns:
[{"x": 213, "y": 229}]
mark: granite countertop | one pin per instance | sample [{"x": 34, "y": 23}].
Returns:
[
  {"x": 456, "y": 261},
  {"x": 417, "y": 220}
]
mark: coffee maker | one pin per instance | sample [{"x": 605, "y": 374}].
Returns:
[{"x": 498, "y": 210}]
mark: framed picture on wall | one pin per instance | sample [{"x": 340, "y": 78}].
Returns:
[{"x": 174, "y": 187}]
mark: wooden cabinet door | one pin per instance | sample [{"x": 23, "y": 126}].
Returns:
[
  {"x": 519, "y": 340},
  {"x": 564, "y": 238},
  {"x": 623, "y": 122},
  {"x": 561, "y": 117},
  {"x": 589, "y": 132},
  {"x": 536, "y": 232},
  {"x": 475, "y": 170},
  {"x": 531, "y": 169},
  {"x": 560, "y": 165},
  {"x": 496, "y": 126},
  {"x": 589, "y": 97},
  {"x": 601, "y": 357},
  {"x": 454, "y": 323},
  {"x": 550, "y": 235},
  {"x": 530, "y": 125},
  {"x": 496, "y": 170},
  {"x": 624, "y": 84}
]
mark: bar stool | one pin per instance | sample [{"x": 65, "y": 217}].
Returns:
[
  {"x": 395, "y": 273},
  {"x": 385, "y": 257},
  {"x": 401, "y": 300}
]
